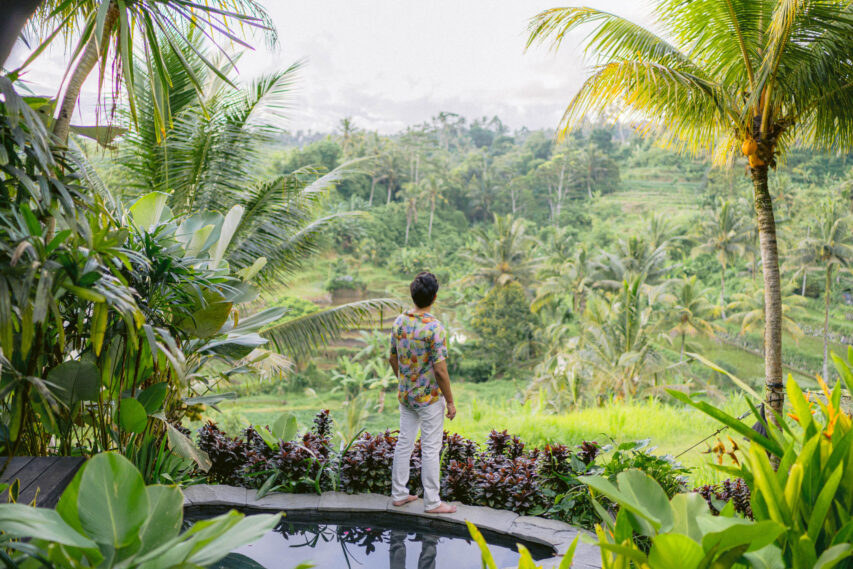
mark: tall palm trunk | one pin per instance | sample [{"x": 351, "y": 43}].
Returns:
[
  {"x": 91, "y": 53},
  {"x": 723, "y": 290},
  {"x": 826, "y": 293},
  {"x": 372, "y": 191},
  {"x": 431, "y": 215},
  {"x": 774, "y": 394}
]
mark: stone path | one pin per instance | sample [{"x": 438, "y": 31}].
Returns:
[{"x": 553, "y": 533}]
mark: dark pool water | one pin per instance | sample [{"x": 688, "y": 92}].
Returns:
[{"x": 354, "y": 541}]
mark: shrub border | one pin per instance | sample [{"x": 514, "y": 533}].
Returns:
[{"x": 554, "y": 533}]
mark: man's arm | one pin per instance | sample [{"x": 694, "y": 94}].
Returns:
[
  {"x": 443, "y": 380},
  {"x": 395, "y": 364}
]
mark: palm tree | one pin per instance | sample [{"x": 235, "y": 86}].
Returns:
[
  {"x": 620, "y": 334},
  {"x": 748, "y": 309},
  {"x": 432, "y": 188},
  {"x": 566, "y": 276},
  {"x": 502, "y": 253},
  {"x": 689, "y": 309},
  {"x": 727, "y": 76},
  {"x": 724, "y": 234},
  {"x": 634, "y": 257},
  {"x": 105, "y": 28},
  {"x": 211, "y": 159},
  {"x": 830, "y": 245}
]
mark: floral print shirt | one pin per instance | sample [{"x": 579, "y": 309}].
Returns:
[{"x": 419, "y": 341}]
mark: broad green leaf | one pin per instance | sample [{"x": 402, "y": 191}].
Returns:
[
  {"x": 246, "y": 531},
  {"x": 768, "y": 557},
  {"x": 132, "y": 416},
  {"x": 637, "y": 492},
  {"x": 834, "y": 555},
  {"x": 165, "y": 516},
  {"x": 767, "y": 485},
  {"x": 183, "y": 446},
  {"x": 730, "y": 533},
  {"x": 100, "y": 317},
  {"x": 248, "y": 273},
  {"x": 207, "y": 321},
  {"x": 76, "y": 381},
  {"x": 675, "y": 551},
  {"x": 229, "y": 227},
  {"x": 190, "y": 227},
  {"x": 149, "y": 210},
  {"x": 198, "y": 240},
  {"x": 112, "y": 502},
  {"x": 823, "y": 503},
  {"x": 152, "y": 397},
  {"x": 285, "y": 427},
  {"x": 687, "y": 508},
  {"x": 25, "y": 522},
  {"x": 67, "y": 504},
  {"x": 268, "y": 437}
]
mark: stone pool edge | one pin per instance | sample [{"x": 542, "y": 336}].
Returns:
[{"x": 554, "y": 533}]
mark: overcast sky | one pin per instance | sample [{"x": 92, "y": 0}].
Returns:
[{"x": 392, "y": 63}]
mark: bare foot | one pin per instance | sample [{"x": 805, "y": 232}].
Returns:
[
  {"x": 405, "y": 501},
  {"x": 443, "y": 509}
]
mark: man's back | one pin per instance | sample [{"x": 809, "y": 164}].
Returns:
[{"x": 419, "y": 341}]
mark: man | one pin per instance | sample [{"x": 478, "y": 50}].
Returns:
[{"x": 418, "y": 356}]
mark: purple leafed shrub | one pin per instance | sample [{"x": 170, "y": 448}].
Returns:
[
  {"x": 366, "y": 466},
  {"x": 227, "y": 455},
  {"x": 505, "y": 474}
]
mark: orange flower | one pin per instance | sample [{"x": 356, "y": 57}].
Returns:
[{"x": 830, "y": 427}]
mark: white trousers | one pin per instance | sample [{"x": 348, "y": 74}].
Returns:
[{"x": 430, "y": 419}]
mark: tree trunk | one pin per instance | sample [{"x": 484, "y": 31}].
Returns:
[
  {"x": 723, "y": 291},
  {"x": 774, "y": 390},
  {"x": 91, "y": 53},
  {"x": 372, "y": 191},
  {"x": 431, "y": 214},
  {"x": 387, "y": 201},
  {"x": 826, "y": 293},
  {"x": 681, "y": 355}
]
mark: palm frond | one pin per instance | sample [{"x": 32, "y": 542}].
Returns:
[
  {"x": 613, "y": 37},
  {"x": 300, "y": 335}
]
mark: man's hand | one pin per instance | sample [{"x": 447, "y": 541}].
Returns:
[{"x": 451, "y": 411}]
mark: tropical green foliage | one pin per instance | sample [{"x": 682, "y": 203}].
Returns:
[
  {"x": 108, "y": 517},
  {"x": 809, "y": 496},
  {"x": 501, "y": 320},
  {"x": 724, "y": 76}
]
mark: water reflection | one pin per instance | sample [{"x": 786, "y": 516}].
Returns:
[
  {"x": 398, "y": 553},
  {"x": 334, "y": 540}
]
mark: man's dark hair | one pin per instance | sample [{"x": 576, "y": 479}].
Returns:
[{"x": 424, "y": 288}]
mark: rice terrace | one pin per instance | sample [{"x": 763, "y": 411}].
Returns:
[{"x": 398, "y": 285}]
